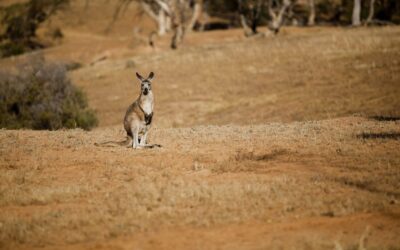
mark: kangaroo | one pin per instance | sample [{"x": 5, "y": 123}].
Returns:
[{"x": 138, "y": 117}]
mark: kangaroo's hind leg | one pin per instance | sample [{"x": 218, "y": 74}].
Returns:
[
  {"x": 128, "y": 141},
  {"x": 135, "y": 137},
  {"x": 143, "y": 142},
  {"x": 143, "y": 139}
]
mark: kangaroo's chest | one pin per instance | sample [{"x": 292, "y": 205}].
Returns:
[{"x": 147, "y": 108}]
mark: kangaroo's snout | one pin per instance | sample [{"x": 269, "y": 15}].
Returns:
[{"x": 145, "y": 91}]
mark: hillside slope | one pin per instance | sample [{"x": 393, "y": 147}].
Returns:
[
  {"x": 301, "y": 75},
  {"x": 220, "y": 77}
]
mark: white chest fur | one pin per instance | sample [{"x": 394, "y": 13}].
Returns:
[
  {"x": 147, "y": 107},
  {"x": 146, "y": 103}
]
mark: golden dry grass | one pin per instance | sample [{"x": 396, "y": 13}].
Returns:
[{"x": 58, "y": 189}]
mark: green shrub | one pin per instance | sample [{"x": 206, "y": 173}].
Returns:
[{"x": 40, "y": 96}]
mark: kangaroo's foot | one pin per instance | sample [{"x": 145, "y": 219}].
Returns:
[
  {"x": 152, "y": 146},
  {"x": 147, "y": 146}
]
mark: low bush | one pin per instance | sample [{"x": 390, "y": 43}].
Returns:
[
  {"x": 39, "y": 95},
  {"x": 11, "y": 49}
]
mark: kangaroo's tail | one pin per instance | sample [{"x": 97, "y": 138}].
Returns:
[{"x": 113, "y": 143}]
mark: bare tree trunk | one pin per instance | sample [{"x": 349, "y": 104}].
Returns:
[
  {"x": 151, "y": 39},
  {"x": 197, "y": 11},
  {"x": 273, "y": 16},
  {"x": 178, "y": 22},
  {"x": 371, "y": 12},
  {"x": 246, "y": 28},
  {"x": 170, "y": 15},
  {"x": 255, "y": 16},
  {"x": 160, "y": 16},
  {"x": 311, "y": 15},
  {"x": 162, "y": 23},
  {"x": 164, "y": 5},
  {"x": 243, "y": 20},
  {"x": 277, "y": 19},
  {"x": 250, "y": 16},
  {"x": 156, "y": 17},
  {"x": 168, "y": 23},
  {"x": 178, "y": 36},
  {"x": 356, "y": 13},
  {"x": 149, "y": 11},
  {"x": 204, "y": 16}
]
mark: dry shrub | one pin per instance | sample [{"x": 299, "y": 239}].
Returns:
[{"x": 40, "y": 96}]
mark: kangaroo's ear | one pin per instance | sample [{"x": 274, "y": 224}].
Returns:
[
  {"x": 151, "y": 76},
  {"x": 140, "y": 77}
]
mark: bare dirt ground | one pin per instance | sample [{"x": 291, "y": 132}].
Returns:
[{"x": 287, "y": 142}]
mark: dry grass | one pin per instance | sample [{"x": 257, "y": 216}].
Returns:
[{"x": 196, "y": 180}]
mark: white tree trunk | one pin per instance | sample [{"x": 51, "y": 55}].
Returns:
[
  {"x": 277, "y": 19},
  {"x": 162, "y": 23},
  {"x": 164, "y": 5},
  {"x": 146, "y": 7},
  {"x": 197, "y": 11},
  {"x": 159, "y": 18},
  {"x": 247, "y": 29},
  {"x": 250, "y": 14},
  {"x": 178, "y": 9},
  {"x": 356, "y": 21},
  {"x": 177, "y": 37},
  {"x": 371, "y": 12},
  {"x": 311, "y": 15},
  {"x": 168, "y": 23},
  {"x": 243, "y": 20}
]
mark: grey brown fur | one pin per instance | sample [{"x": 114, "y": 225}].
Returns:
[{"x": 138, "y": 117}]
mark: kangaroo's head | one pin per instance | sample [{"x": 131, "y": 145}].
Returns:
[{"x": 145, "y": 83}]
